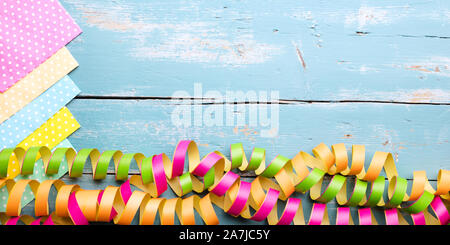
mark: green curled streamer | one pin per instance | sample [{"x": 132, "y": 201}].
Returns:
[
  {"x": 275, "y": 166},
  {"x": 31, "y": 157},
  {"x": 358, "y": 194},
  {"x": 376, "y": 192},
  {"x": 76, "y": 170},
  {"x": 186, "y": 182},
  {"x": 238, "y": 157},
  {"x": 336, "y": 183},
  {"x": 313, "y": 177},
  {"x": 399, "y": 186},
  {"x": 256, "y": 158},
  {"x": 146, "y": 170},
  {"x": 58, "y": 157},
  {"x": 421, "y": 204}
]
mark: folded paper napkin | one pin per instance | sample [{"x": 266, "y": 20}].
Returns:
[{"x": 31, "y": 32}]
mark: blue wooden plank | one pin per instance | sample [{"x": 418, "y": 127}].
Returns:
[
  {"x": 417, "y": 135},
  {"x": 360, "y": 50}
]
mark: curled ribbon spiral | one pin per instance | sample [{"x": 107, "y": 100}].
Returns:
[{"x": 256, "y": 200}]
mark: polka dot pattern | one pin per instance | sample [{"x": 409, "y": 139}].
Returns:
[
  {"x": 30, "y": 32},
  {"x": 39, "y": 174},
  {"x": 49, "y": 134},
  {"x": 35, "y": 83},
  {"x": 33, "y": 115}
]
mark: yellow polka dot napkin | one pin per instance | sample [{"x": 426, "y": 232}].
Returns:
[{"x": 52, "y": 133}]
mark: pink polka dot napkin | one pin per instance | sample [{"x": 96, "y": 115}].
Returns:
[{"x": 30, "y": 32}]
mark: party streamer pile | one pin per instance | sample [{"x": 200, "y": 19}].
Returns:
[{"x": 216, "y": 178}]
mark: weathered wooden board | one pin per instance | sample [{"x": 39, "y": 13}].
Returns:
[
  {"x": 307, "y": 50},
  {"x": 417, "y": 135}
]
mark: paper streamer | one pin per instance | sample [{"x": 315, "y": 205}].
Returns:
[
  {"x": 256, "y": 200},
  {"x": 31, "y": 32},
  {"x": 75, "y": 206},
  {"x": 36, "y": 82},
  {"x": 33, "y": 115},
  {"x": 39, "y": 175}
]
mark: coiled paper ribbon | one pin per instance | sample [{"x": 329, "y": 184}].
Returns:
[{"x": 256, "y": 200}]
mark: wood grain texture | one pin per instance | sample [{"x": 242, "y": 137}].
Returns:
[{"x": 319, "y": 50}]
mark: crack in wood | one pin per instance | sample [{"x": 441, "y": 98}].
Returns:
[
  {"x": 300, "y": 56},
  {"x": 365, "y": 33}
]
